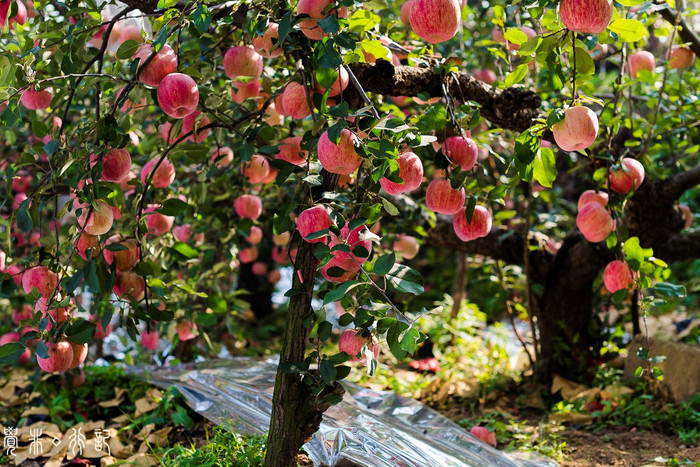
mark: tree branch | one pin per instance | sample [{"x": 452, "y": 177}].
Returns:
[
  {"x": 675, "y": 186},
  {"x": 685, "y": 31},
  {"x": 680, "y": 247},
  {"x": 511, "y": 108}
]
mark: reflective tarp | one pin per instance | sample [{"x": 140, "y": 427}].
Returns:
[{"x": 373, "y": 428}]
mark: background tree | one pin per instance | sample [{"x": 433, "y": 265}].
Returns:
[{"x": 238, "y": 119}]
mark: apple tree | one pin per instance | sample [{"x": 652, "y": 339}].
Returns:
[{"x": 162, "y": 159}]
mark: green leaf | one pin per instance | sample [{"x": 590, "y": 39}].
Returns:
[
  {"x": 24, "y": 220},
  {"x": 339, "y": 292},
  {"x": 185, "y": 250},
  {"x": 392, "y": 338},
  {"x": 516, "y": 75},
  {"x": 584, "y": 62},
  {"x": 162, "y": 4},
  {"x": 629, "y": 30},
  {"x": 327, "y": 371},
  {"x": 127, "y": 49},
  {"x": 670, "y": 290},
  {"x": 642, "y": 353},
  {"x": 10, "y": 353},
  {"x": 384, "y": 264},
  {"x": 81, "y": 332},
  {"x": 409, "y": 340},
  {"x": 160, "y": 315},
  {"x": 324, "y": 330},
  {"x": 405, "y": 279},
  {"x": 390, "y": 208},
  {"x": 51, "y": 147},
  {"x": 173, "y": 207},
  {"x": 202, "y": 18},
  {"x": 545, "y": 169}
]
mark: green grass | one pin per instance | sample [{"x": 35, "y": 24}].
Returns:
[{"x": 224, "y": 447}]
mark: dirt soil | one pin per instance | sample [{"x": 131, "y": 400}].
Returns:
[{"x": 620, "y": 447}]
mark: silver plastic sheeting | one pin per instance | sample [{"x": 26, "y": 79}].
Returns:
[{"x": 372, "y": 428}]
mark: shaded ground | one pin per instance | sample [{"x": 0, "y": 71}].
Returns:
[{"x": 619, "y": 447}]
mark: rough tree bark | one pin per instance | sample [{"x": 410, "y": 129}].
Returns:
[
  {"x": 564, "y": 311},
  {"x": 296, "y": 412}
]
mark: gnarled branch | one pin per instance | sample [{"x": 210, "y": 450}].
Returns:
[{"x": 511, "y": 108}]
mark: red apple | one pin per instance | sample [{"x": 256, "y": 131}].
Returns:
[
  {"x": 164, "y": 174},
  {"x": 19, "y": 18},
  {"x": 100, "y": 220},
  {"x": 339, "y": 158},
  {"x": 406, "y": 12},
  {"x": 410, "y": 171},
  {"x": 245, "y": 90},
  {"x": 486, "y": 75},
  {"x": 595, "y": 222},
  {"x": 274, "y": 276},
  {"x": 578, "y": 130},
  {"x": 338, "y": 86},
  {"x": 178, "y": 95},
  {"x": 294, "y": 101},
  {"x": 488, "y": 437},
  {"x": 248, "y": 206},
  {"x": 36, "y": 100},
  {"x": 352, "y": 239},
  {"x": 264, "y": 44},
  {"x": 589, "y": 196},
  {"x": 40, "y": 277},
  {"x": 22, "y": 182},
  {"x": 462, "y": 151},
  {"x": 313, "y": 220},
  {"x": 630, "y": 176},
  {"x": 192, "y": 123},
  {"x": 617, "y": 276},
  {"x": 163, "y": 63},
  {"x": 480, "y": 226},
  {"x": 259, "y": 268},
  {"x": 290, "y": 151},
  {"x": 80, "y": 352},
  {"x": 588, "y": 16},
  {"x": 182, "y": 233},
  {"x": 248, "y": 255},
  {"x": 641, "y": 60},
  {"x": 86, "y": 241},
  {"x": 442, "y": 198},
  {"x": 222, "y": 157},
  {"x": 255, "y": 236},
  {"x": 406, "y": 246},
  {"x": 157, "y": 223},
  {"x": 435, "y": 21},
  {"x": 316, "y": 9},
  {"x": 184, "y": 330},
  {"x": 349, "y": 267},
  {"x": 116, "y": 165},
  {"x": 528, "y": 31},
  {"x": 60, "y": 357},
  {"x": 126, "y": 259},
  {"x": 149, "y": 340},
  {"x": 243, "y": 61},
  {"x": 256, "y": 169},
  {"x": 129, "y": 284},
  {"x": 352, "y": 344},
  {"x": 681, "y": 57}
]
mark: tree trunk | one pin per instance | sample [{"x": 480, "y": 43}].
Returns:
[
  {"x": 296, "y": 412},
  {"x": 565, "y": 309},
  {"x": 258, "y": 291}
]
